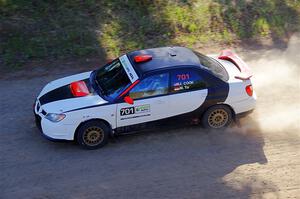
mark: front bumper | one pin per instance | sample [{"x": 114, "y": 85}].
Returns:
[
  {"x": 38, "y": 121},
  {"x": 53, "y": 131}
]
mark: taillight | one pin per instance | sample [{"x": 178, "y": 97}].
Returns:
[{"x": 249, "y": 90}]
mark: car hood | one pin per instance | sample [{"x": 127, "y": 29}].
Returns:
[
  {"x": 73, "y": 104},
  {"x": 57, "y": 96},
  {"x": 63, "y": 82}
]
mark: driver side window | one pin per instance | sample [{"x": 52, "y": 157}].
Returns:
[{"x": 151, "y": 86}]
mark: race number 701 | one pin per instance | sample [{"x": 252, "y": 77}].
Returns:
[{"x": 127, "y": 111}]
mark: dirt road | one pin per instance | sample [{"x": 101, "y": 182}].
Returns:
[{"x": 260, "y": 159}]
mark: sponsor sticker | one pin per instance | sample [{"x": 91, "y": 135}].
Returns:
[
  {"x": 142, "y": 108},
  {"x": 128, "y": 68},
  {"x": 135, "y": 110}
]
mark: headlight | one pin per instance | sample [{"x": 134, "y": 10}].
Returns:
[{"x": 54, "y": 117}]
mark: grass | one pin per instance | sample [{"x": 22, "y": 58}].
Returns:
[{"x": 43, "y": 29}]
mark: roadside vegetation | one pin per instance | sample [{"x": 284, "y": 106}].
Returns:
[{"x": 57, "y": 29}]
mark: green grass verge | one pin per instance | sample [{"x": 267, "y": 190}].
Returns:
[{"x": 43, "y": 29}]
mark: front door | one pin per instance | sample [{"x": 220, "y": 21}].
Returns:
[{"x": 150, "y": 101}]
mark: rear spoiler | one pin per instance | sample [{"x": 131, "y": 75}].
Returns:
[{"x": 238, "y": 62}]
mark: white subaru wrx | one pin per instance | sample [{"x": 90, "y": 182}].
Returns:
[{"x": 145, "y": 87}]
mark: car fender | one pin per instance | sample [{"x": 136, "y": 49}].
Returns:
[
  {"x": 94, "y": 119},
  {"x": 106, "y": 112}
]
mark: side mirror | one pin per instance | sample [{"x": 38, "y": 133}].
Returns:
[
  {"x": 128, "y": 100},
  {"x": 108, "y": 61}
]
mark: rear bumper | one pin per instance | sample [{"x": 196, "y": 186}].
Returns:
[
  {"x": 244, "y": 114},
  {"x": 245, "y": 106}
]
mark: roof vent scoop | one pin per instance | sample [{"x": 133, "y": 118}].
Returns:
[
  {"x": 142, "y": 58},
  {"x": 172, "y": 52}
]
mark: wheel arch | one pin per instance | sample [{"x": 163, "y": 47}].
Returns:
[
  {"x": 93, "y": 119},
  {"x": 233, "y": 114}
]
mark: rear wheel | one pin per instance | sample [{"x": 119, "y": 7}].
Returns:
[
  {"x": 93, "y": 135},
  {"x": 217, "y": 117}
]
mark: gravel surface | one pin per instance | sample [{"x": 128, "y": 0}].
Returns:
[{"x": 258, "y": 159}]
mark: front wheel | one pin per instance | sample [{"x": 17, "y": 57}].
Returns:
[
  {"x": 93, "y": 135},
  {"x": 217, "y": 117}
]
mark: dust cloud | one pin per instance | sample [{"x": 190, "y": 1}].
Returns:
[
  {"x": 268, "y": 166},
  {"x": 276, "y": 82}
]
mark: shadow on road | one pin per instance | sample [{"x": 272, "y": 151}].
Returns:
[
  {"x": 186, "y": 162},
  {"x": 195, "y": 161}
]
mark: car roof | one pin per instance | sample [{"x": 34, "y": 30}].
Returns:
[{"x": 164, "y": 57}]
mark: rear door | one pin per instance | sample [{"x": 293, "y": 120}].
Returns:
[
  {"x": 150, "y": 101},
  {"x": 188, "y": 91}
]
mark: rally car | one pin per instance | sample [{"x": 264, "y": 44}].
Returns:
[{"x": 144, "y": 87}]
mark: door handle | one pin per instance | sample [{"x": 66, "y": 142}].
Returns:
[{"x": 160, "y": 101}]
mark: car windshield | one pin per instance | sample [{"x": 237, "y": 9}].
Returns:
[
  {"x": 112, "y": 79},
  {"x": 213, "y": 66}
]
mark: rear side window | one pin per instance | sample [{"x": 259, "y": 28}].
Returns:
[
  {"x": 213, "y": 66},
  {"x": 186, "y": 80},
  {"x": 151, "y": 86}
]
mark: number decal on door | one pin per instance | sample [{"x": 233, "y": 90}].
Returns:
[
  {"x": 135, "y": 110},
  {"x": 127, "y": 111}
]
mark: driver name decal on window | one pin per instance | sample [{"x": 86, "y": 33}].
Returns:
[
  {"x": 128, "y": 68},
  {"x": 135, "y": 110},
  {"x": 183, "y": 82},
  {"x": 186, "y": 80}
]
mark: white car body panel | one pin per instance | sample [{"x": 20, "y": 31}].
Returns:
[
  {"x": 66, "y": 128},
  {"x": 237, "y": 97},
  {"x": 243, "y": 105},
  {"x": 178, "y": 103},
  {"x": 144, "y": 110},
  {"x": 159, "y": 107},
  {"x": 104, "y": 112},
  {"x": 54, "y": 131}
]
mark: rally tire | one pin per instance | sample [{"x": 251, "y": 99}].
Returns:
[
  {"x": 217, "y": 117},
  {"x": 93, "y": 135}
]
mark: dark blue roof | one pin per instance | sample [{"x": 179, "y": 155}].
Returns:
[{"x": 164, "y": 57}]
